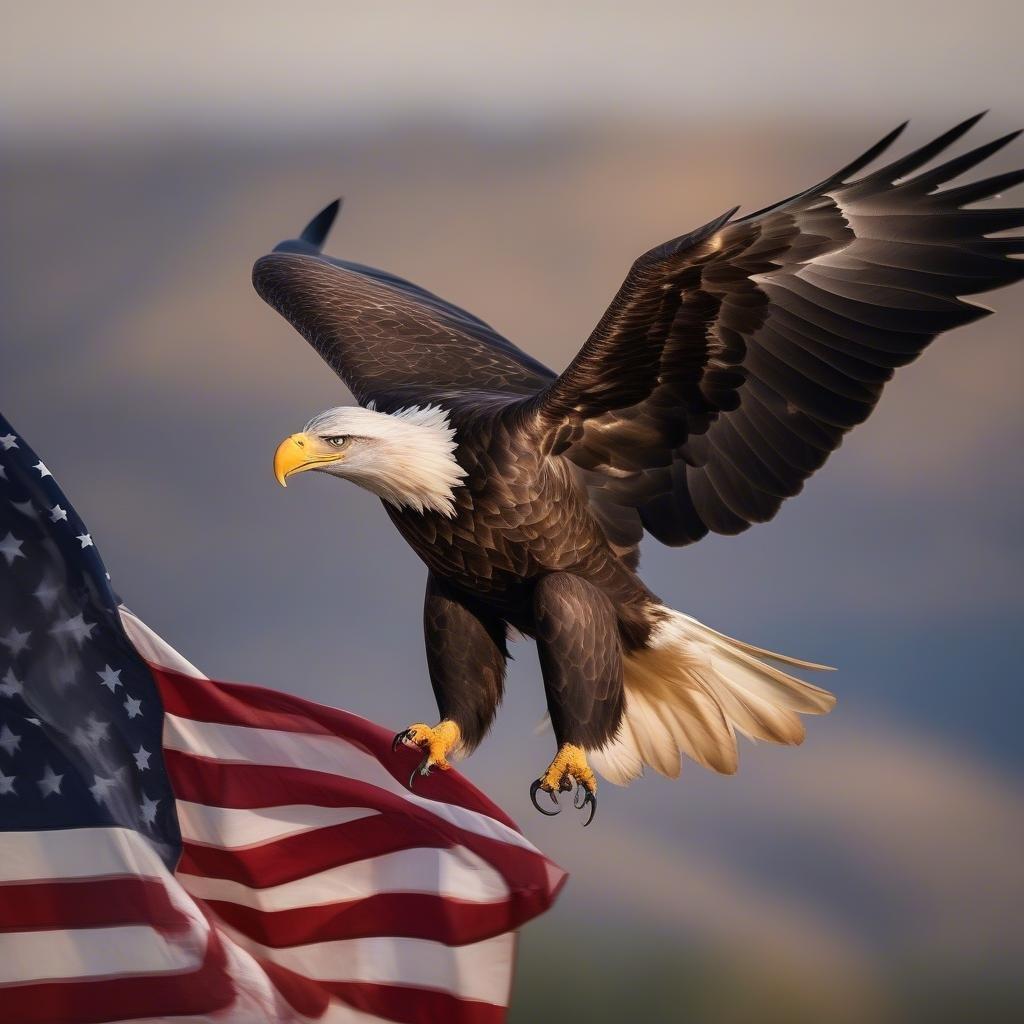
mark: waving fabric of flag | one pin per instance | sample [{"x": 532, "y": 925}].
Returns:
[{"x": 178, "y": 849}]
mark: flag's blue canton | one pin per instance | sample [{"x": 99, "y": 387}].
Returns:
[{"x": 80, "y": 715}]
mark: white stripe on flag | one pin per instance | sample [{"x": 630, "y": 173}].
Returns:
[
  {"x": 153, "y": 647},
  {"x": 235, "y": 828},
  {"x": 458, "y": 873},
  {"x": 95, "y": 952},
  {"x": 78, "y": 853},
  {"x": 244, "y": 745},
  {"x": 478, "y": 971}
]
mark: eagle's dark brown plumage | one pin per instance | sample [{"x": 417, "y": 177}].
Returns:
[{"x": 727, "y": 368}]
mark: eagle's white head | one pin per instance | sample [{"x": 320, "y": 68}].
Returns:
[{"x": 406, "y": 457}]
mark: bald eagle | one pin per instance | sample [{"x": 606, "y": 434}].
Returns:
[{"x": 727, "y": 368}]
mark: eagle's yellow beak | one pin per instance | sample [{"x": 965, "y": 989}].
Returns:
[{"x": 300, "y": 452}]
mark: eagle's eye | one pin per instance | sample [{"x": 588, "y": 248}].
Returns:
[{"x": 337, "y": 442}]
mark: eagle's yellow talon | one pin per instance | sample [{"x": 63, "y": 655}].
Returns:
[
  {"x": 438, "y": 742},
  {"x": 568, "y": 768}
]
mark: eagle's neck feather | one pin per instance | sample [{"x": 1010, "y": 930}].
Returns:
[
  {"x": 425, "y": 471},
  {"x": 407, "y": 458}
]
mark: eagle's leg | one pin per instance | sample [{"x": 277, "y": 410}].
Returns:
[
  {"x": 580, "y": 652},
  {"x": 466, "y": 657}
]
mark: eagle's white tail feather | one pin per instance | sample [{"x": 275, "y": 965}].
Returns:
[
  {"x": 689, "y": 692},
  {"x": 760, "y": 652}
]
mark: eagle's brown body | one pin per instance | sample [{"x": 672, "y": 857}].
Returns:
[
  {"x": 520, "y": 516},
  {"x": 726, "y": 370}
]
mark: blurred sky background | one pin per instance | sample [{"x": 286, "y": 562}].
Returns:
[{"x": 516, "y": 160}]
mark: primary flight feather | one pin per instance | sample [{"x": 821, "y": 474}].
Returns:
[{"x": 727, "y": 368}]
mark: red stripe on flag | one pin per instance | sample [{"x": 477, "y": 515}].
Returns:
[
  {"x": 409, "y": 915},
  {"x": 89, "y": 903},
  {"x": 304, "y": 995},
  {"x": 293, "y": 857},
  {"x": 203, "y": 780},
  {"x": 408, "y": 1005}
]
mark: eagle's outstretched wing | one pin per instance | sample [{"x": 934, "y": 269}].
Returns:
[
  {"x": 733, "y": 360},
  {"x": 392, "y": 342}
]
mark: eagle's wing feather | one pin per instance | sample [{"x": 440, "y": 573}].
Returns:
[
  {"x": 391, "y": 341},
  {"x": 733, "y": 360}
]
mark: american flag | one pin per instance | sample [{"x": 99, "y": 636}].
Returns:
[{"x": 175, "y": 848}]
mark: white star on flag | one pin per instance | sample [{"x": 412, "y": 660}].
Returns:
[
  {"x": 101, "y": 788},
  {"x": 11, "y": 685},
  {"x": 110, "y": 678},
  {"x": 9, "y": 441},
  {"x": 46, "y": 593},
  {"x": 133, "y": 707},
  {"x": 10, "y": 548},
  {"x": 6, "y": 784},
  {"x": 97, "y": 730},
  {"x": 15, "y": 641},
  {"x": 50, "y": 782},
  {"x": 26, "y": 508},
  {"x": 148, "y": 808},
  {"x": 142, "y": 756},
  {"x": 85, "y": 540},
  {"x": 43, "y": 471},
  {"x": 57, "y": 513},
  {"x": 76, "y": 627},
  {"x": 9, "y": 741}
]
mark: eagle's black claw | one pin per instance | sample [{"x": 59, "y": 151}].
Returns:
[
  {"x": 400, "y": 738},
  {"x": 534, "y": 786},
  {"x": 591, "y": 799},
  {"x": 423, "y": 768},
  {"x": 580, "y": 799}
]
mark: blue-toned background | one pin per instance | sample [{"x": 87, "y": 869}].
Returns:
[{"x": 517, "y": 163}]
